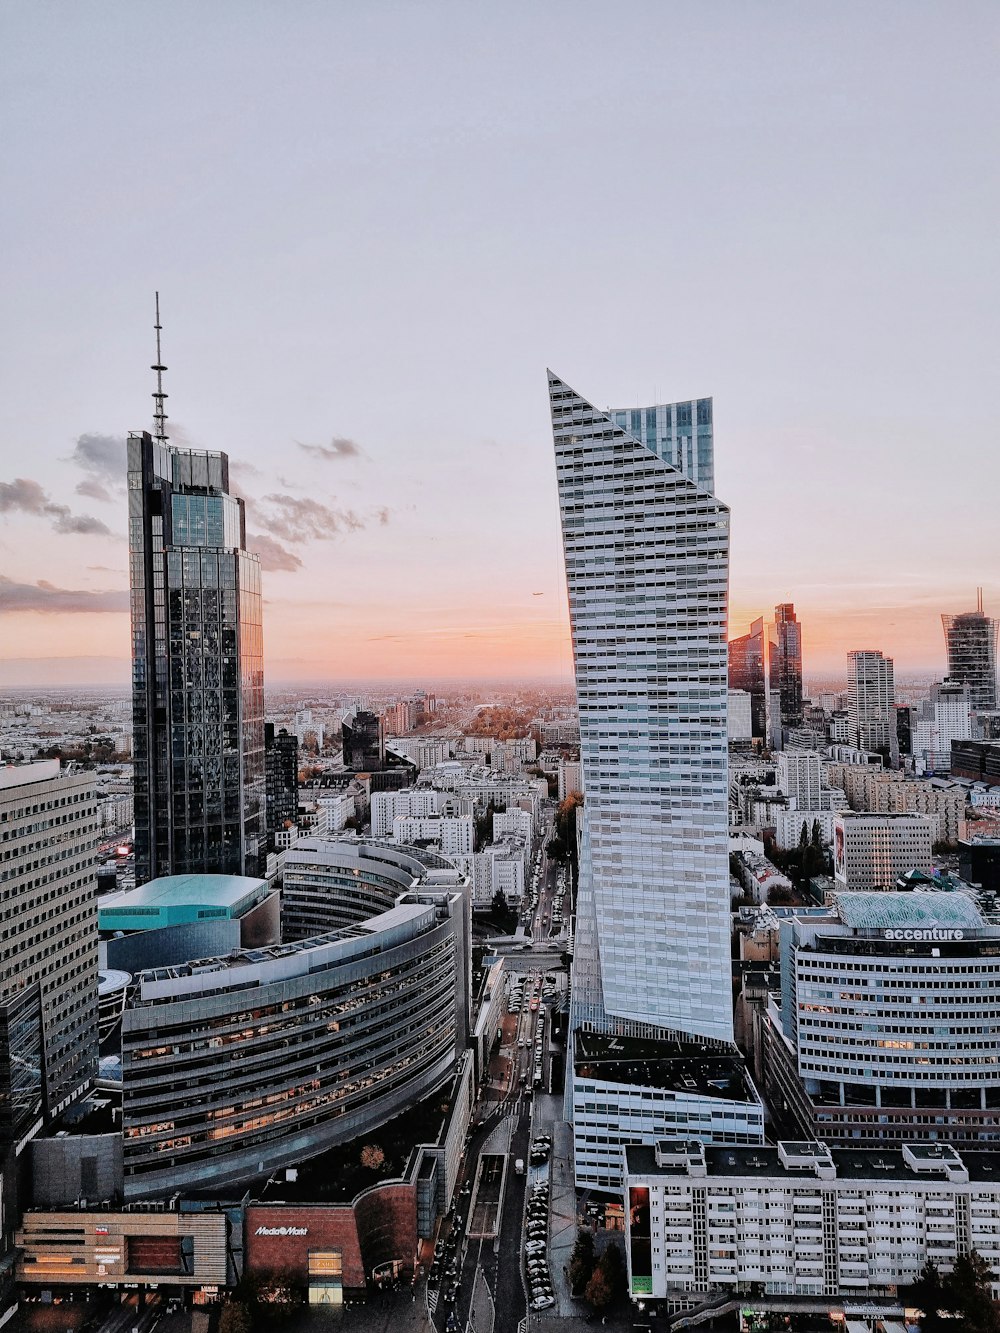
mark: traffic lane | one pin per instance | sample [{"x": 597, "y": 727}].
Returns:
[
  {"x": 508, "y": 1288},
  {"x": 481, "y": 1252}
]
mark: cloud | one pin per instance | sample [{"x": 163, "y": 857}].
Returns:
[
  {"x": 22, "y": 495},
  {"x": 382, "y": 514},
  {"x": 93, "y": 489},
  {"x": 46, "y": 597},
  {"x": 339, "y": 447},
  {"x": 294, "y": 519},
  {"x": 102, "y": 457},
  {"x": 273, "y": 556}
]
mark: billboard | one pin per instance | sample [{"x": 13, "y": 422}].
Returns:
[{"x": 639, "y": 1242}]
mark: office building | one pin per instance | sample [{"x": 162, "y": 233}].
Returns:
[
  {"x": 887, "y": 1023},
  {"x": 740, "y": 715},
  {"x": 281, "y": 779},
  {"x": 748, "y": 672},
  {"x": 979, "y": 761},
  {"x": 786, "y": 663},
  {"x": 871, "y": 852},
  {"x": 871, "y": 701},
  {"x": 979, "y": 862},
  {"x": 766, "y": 663},
  {"x": 49, "y": 830},
  {"x": 235, "y": 1066},
  {"x": 363, "y": 737},
  {"x": 944, "y": 717},
  {"x": 646, "y": 547},
  {"x": 799, "y": 776},
  {"x": 455, "y": 835},
  {"x": 971, "y": 641},
  {"x": 803, "y": 1219},
  {"x": 179, "y": 917},
  {"x": 197, "y": 665}
]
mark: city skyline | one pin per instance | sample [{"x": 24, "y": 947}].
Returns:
[{"x": 317, "y": 245}]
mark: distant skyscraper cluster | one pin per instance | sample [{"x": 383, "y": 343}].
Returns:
[{"x": 766, "y": 664}]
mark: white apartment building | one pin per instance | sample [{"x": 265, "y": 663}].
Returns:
[
  {"x": 788, "y": 826},
  {"x": 454, "y": 834},
  {"x": 570, "y": 777},
  {"x": 508, "y": 860},
  {"x": 740, "y": 724},
  {"x": 800, "y": 776},
  {"x": 423, "y": 751},
  {"x": 803, "y": 1218},
  {"x": 337, "y": 808},
  {"x": 871, "y": 700},
  {"x": 513, "y": 820},
  {"x": 945, "y": 717},
  {"x": 386, "y": 805},
  {"x": 873, "y": 851}
]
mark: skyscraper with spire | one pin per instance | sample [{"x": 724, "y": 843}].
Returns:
[
  {"x": 971, "y": 640},
  {"x": 646, "y": 545},
  {"x": 197, "y": 660}
]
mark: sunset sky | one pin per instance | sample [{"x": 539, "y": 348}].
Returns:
[{"x": 374, "y": 226}]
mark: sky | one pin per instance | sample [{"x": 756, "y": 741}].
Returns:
[{"x": 374, "y": 226}]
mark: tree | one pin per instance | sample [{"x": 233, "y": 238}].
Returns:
[
  {"x": 607, "y": 1280},
  {"x": 965, "y": 1292},
  {"x": 969, "y": 1295},
  {"x": 581, "y": 1261},
  {"x": 598, "y": 1291},
  {"x": 235, "y": 1318},
  {"x": 372, "y": 1157}
]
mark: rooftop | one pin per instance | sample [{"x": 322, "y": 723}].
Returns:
[
  {"x": 873, "y": 1164},
  {"x": 174, "y": 899},
  {"x": 680, "y": 1067},
  {"x": 914, "y": 910}
]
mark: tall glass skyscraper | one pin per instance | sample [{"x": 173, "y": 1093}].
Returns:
[
  {"x": 197, "y": 666},
  {"x": 786, "y": 663},
  {"x": 971, "y": 640},
  {"x": 647, "y": 562}
]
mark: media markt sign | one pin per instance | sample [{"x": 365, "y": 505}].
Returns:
[{"x": 282, "y": 1231}]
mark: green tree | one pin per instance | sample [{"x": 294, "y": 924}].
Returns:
[{"x": 969, "y": 1294}]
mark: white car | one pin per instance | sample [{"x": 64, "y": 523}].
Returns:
[{"x": 542, "y": 1302}]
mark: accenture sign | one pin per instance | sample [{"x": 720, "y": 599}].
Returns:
[
  {"x": 282, "y": 1231},
  {"x": 933, "y": 933}
]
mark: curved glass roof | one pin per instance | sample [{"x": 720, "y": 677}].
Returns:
[{"x": 923, "y": 911}]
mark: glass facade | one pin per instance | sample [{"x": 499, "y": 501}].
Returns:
[
  {"x": 234, "y": 1067},
  {"x": 971, "y": 640},
  {"x": 646, "y": 546},
  {"x": 197, "y": 678}
]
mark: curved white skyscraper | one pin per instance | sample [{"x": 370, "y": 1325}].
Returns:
[
  {"x": 647, "y": 563},
  {"x": 647, "y": 560}
]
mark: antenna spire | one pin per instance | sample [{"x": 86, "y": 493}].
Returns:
[
  {"x": 979, "y": 600},
  {"x": 159, "y": 415}
]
